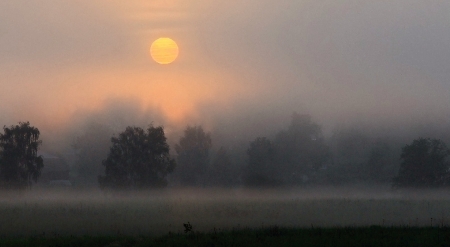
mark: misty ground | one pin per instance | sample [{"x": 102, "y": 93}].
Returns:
[{"x": 76, "y": 212}]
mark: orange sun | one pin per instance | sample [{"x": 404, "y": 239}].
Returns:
[{"x": 164, "y": 50}]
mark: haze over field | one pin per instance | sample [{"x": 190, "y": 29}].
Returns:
[
  {"x": 59, "y": 213},
  {"x": 293, "y": 113},
  {"x": 243, "y": 68}
]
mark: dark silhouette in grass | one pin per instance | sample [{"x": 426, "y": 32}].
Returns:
[{"x": 187, "y": 227}]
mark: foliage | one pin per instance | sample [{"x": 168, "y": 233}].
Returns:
[
  {"x": 91, "y": 148},
  {"x": 350, "y": 149},
  {"x": 301, "y": 149},
  {"x": 193, "y": 156},
  {"x": 350, "y": 146},
  {"x": 261, "y": 168},
  {"x": 424, "y": 164},
  {"x": 138, "y": 159},
  {"x": 358, "y": 157},
  {"x": 222, "y": 172},
  {"x": 20, "y": 164},
  {"x": 379, "y": 164}
]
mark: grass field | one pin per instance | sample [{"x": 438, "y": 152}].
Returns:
[
  {"x": 155, "y": 214},
  {"x": 270, "y": 236}
]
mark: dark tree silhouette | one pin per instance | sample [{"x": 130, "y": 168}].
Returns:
[
  {"x": 350, "y": 149},
  {"x": 423, "y": 164},
  {"x": 193, "y": 156},
  {"x": 379, "y": 164},
  {"x": 301, "y": 149},
  {"x": 137, "y": 159},
  {"x": 91, "y": 148},
  {"x": 261, "y": 169},
  {"x": 20, "y": 164},
  {"x": 222, "y": 173}
]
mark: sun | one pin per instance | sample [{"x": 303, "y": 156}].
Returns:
[{"x": 164, "y": 50}]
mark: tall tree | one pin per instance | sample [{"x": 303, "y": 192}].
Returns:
[
  {"x": 424, "y": 164},
  {"x": 193, "y": 156},
  {"x": 261, "y": 169},
  {"x": 350, "y": 151},
  {"x": 222, "y": 173},
  {"x": 138, "y": 159},
  {"x": 91, "y": 148},
  {"x": 301, "y": 149},
  {"x": 19, "y": 162},
  {"x": 379, "y": 164}
]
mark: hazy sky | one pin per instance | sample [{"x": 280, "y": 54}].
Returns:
[{"x": 65, "y": 62}]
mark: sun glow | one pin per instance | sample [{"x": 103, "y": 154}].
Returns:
[{"x": 164, "y": 50}]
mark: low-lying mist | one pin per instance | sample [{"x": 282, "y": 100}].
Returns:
[
  {"x": 156, "y": 212},
  {"x": 241, "y": 124},
  {"x": 359, "y": 150}
]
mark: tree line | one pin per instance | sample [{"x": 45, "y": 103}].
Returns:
[{"x": 140, "y": 158}]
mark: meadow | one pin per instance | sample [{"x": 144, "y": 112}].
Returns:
[
  {"x": 157, "y": 213},
  {"x": 269, "y": 236}
]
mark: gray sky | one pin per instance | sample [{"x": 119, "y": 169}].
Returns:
[{"x": 242, "y": 64}]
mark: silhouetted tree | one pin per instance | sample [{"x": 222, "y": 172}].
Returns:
[
  {"x": 91, "y": 148},
  {"x": 221, "y": 169},
  {"x": 350, "y": 145},
  {"x": 261, "y": 169},
  {"x": 193, "y": 156},
  {"x": 138, "y": 159},
  {"x": 301, "y": 149},
  {"x": 350, "y": 153},
  {"x": 19, "y": 162},
  {"x": 423, "y": 164},
  {"x": 379, "y": 164}
]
